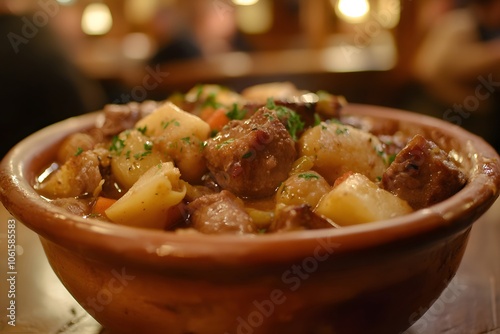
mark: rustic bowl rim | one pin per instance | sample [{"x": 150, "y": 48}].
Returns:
[{"x": 95, "y": 238}]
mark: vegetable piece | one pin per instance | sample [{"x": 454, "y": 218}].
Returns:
[
  {"x": 337, "y": 148},
  {"x": 80, "y": 175},
  {"x": 218, "y": 119},
  {"x": 102, "y": 204},
  {"x": 147, "y": 203},
  {"x": 302, "y": 188},
  {"x": 132, "y": 155},
  {"x": 213, "y": 95},
  {"x": 276, "y": 90},
  {"x": 180, "y": 135},
  {"x": 357, "y": 200}
]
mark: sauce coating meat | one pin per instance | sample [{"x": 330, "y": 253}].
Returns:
[
  {"x": 251, "y": 158},
  {"x": 422, "y": 174},
  {"x": 272, "y": 159}
]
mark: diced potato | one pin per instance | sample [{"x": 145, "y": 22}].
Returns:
[
  {"x": 302, "y": 188},
  {"x": 132, "y": 155},
  {"x": 276, "y": 90},
  {"x": 180, "y": 135},
  {"x": 358, "y": 200},
  {"x": 220, "y": 94},
  {"x": 336, "y": 149},
  {"x": 147, "y": 203},
  {"x": 173, "y": 122}
]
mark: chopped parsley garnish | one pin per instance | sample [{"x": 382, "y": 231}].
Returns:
[
  {"x": 79, "y": 151},
  {"x": 199, "y": 91},
  {"x": 342, "y": 131},
  {"x": 236, "y": 112},
  {"x": 224, "y": 143},
  {"x": 308, "y": 176},
  {"x": 117, "y": 145},
  {"x": 187, "y": 140},
  {"x": 203, "y": 144},
  {"x": 148, "y": 146},
  {"x": 211, "y": 101},
  {"x": 143, "y": 129},
  {"x": 174, "y": 122},
  {"x": 317, "y": 119},
  {"x": 391, "y": 158},
  {"x": 247, "y": 155},
  {"x": 293, "y": 122}
]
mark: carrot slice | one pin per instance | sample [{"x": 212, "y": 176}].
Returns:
[
  {"x": 102, "y": 204},
  {"x": 218, "y": 119}
]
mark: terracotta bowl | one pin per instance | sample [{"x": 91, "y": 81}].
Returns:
[{"x": 371, "y": 278}]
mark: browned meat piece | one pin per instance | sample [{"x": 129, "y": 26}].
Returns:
[
  {"x": 422, "y": 174},
  {"x": 80, "y": 175},
  {"x": 326, "y": 107},
  {"x": 298, "y": 217},
  {"x": 120, "y": 117},
  {"x": 251, "y": 158},
  {"x": 220, "y": 213}
]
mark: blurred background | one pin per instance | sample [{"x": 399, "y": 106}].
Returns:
[{"x": 61, "y": 58}]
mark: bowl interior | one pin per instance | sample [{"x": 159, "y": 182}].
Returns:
[{"x": 20, "y": 167}]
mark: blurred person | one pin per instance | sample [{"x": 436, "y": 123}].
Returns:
[
  {"x": 198, "y": 28},
  {"x": 458, "y": 64},
  {"x": 38, "y": 84}
]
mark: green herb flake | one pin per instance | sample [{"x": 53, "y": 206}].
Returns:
[
  {"x": 79, "y": 151},
  {"x": 247, "y": 155},
  {"x": 224, "y": 143},
  {"x": 317, "y": 119},
  {"x": 174, "y": 122},
  {"x": 293, "y": 122},
  {"x": 236, "y": 112},
  {"x": 391, "y": 158},
  {"x": 211, "y": 101},
  {"x": 187, "y": 140},
  {"x": 342, "y": 131},
  {"x": 309, "y": 176},
  {"x": 143, "y": 129},
  {"x": 148, "y": 146},
  {"x": 117, "y": 145}
]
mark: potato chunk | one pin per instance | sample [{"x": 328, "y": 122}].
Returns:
[
  {"x": 180, "y": 135},
  {"x": 302, "y": 188},
  {"x": 357, "y": 200},
  {"x": 336, "y": 149},
  {"x": 132, "y": 155},
  {"x": 147, "y": 203}
]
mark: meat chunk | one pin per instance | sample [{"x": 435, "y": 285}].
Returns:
[
  {"x": 80, "y": 175},
  {"x": 251, "y": 158},
  {"x": 120, "y": 117},
  {"x": 422, "y": 174},
  {"x": 298, "y": 217},
  {"x": 220, "y": 213}
]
